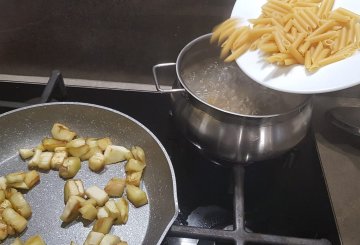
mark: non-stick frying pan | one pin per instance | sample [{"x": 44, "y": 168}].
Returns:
[{"x": 26, "y": 127}]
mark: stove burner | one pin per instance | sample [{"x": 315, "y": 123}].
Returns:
[
  {"x": 206, "y": 190},
  {"x": 56, "y": 82},
  {"x": 238, "y": 235}
]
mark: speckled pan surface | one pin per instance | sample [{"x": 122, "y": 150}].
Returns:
[{"x": 28, "y": 126}]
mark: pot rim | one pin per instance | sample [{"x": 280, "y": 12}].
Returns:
[{"x": 207, "y": 36}]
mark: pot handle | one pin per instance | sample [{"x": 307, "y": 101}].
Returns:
[{"x": 157, "y": 84}]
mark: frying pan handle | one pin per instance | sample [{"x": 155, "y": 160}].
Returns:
[{"x": 157, "y": 84}]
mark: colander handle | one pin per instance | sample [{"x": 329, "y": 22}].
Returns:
[{"x": 157, "y": 84}]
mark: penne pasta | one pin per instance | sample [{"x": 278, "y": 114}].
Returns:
[
  {"x": 298, "y": 26},
  {"x": 276, "y": 23},
  {"x": 312, "y": 16},
  {"x": 299, "y": 40},
  {"x": 342, "y": 38},
  {"x": 282, "y": 5},
  {"x": 305, "y": 4},
  {"x": 278, "y": 41},
  {"x": 303, "y": 23},
  {"x": 347, "y": 13},
  {"x": 295, "y": 53},
  {"x": 229, "y": 43},
  {"x": 290, "y": 61},
  {"x": 254, "y": 45},
  {"x": 255, "y": 33},
  {"x": 269, "y": 47},
  {"x": 325, "y": 27},
  {"x": 266, "y": 38},
  {"x": 275, "y": 7},
  {"x": 237, "y": 52},
  {"x": 288, "y": 26},
  {"x": 348, "y": 49},
  {"x": 322, "y": 37},
  {"x": 357, "y": 34},
  {"x": 308, "y": 19},
  {"x": 351, "y": 32},
  {"x": 287, "y": 17},
  {"x": 290, "y": 37},
  {"x": 328, "y": 43},
  {"x": 322, "y": 8},
  {"x": 242, "y": 39},
  {"x": 335, "y": 46},
  {"x": 329, "y": 5},
  {"x": 221, "y": 28},
  {"x": 323, "y": 54},
  {"x": 314, "y": 1},
  {"x": 291, "y": 32},
  {"x": 331, "y": 59},
  {"x": 304, "y": 47},
  {"x": 317, "y": 52},
  {"x": 339, "y": 17},
  {"x": 277, "y": 57},
  {"x": 260, "y": 21},
  {"x": 307, "y": 61}
]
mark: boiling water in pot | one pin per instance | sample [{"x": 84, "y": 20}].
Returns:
[{"x": 226, "y": 87}]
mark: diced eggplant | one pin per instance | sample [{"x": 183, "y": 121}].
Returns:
[
  {"x": 134, "y": 178},
  {"x": 12, "y": 218},
  {"x": 71, "y": 210},
  {"x": 138, "y": 153},
  {"x": 78, "y": 151},
  {"x": 102, "y": 213},
  {"x": 50, "y": 144},
  {"x": 123, "y": 207},
  {"x": 34, "y": 161},
  {"x": 88, "y": 212},
  {"x": 92, "y": 151},
  {"x": 94, "y": 238},
  {"x": 31, "y": 178},
  {"x": 134, "y": 166},
  {"x": 115, "y": 153},
  {"x": 45, "y": 160},
  {"x": 97, "y": 162},
  {"x": 73, "y": 188},
  {"x": 58, "y": 158},
  {"x": 61, "y": 132},
  {"x": 20, "y": 205},
  {"x": 110, "y": 239},
  {"x": 98, "y": 194},
  {"x": 136, "y": 196},
  {"x": 115, "y": 187},
  {"x": 70, "y": 167},
  {"x": 103, "y": 143},
  {"x": 35, "y": 240},
  {"x": 15, "y": 177},
  {"x": 103, "y": 225},
  {"x": 17, "y": 241},
  {"x": 26, "y": 153},
  {"x": 111, "y": 207}
]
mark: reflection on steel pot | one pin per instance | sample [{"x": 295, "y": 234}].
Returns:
[{"x": 263, "y": 123}]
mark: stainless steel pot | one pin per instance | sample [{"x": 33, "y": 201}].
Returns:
[{"x": 231, "y": 137}]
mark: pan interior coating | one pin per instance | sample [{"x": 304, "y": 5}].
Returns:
[{"x": 26, "y": 128}]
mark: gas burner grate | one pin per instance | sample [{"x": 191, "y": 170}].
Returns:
[
  {"x": 55, "y": 84},
  {"x": 238, "y": 235},
  {"x": 183, "y": 158}
]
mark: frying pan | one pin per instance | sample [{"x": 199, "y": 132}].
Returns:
[{"x": 26, "y": 127}]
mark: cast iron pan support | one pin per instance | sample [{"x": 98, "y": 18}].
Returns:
[
  {"x": 238, "y": 235},
  {"x": 55, "y": 83}
]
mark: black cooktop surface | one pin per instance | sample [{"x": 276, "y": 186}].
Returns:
[{"x": 284, "y": 196}]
